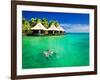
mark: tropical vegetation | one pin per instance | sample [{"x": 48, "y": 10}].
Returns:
[{"x": 28, "y": 24}]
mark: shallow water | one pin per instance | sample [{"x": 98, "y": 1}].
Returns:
[{"x": 71, "y": 50}]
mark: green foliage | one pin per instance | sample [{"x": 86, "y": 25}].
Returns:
[
  {"x": 23, "y": 20},
  {"x": 54, "y": 23},
  {"x": 51, "y": 23},
  {"x": 38, "y": 20},
  {"x": 25, "y": 25},
  {"x": 32, "y": 22},
  {"x": 45, "y": 22},
  {"x": 57, "y": 24}
]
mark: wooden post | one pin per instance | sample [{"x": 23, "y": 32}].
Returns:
[{"x": 53, "y": 32}]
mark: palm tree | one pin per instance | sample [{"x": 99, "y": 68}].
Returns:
[
  {"x": 23, "y": 20},
  {"x": 45, "y": 22},
  {"x": 38, "y": 20},
  {"x": 57, "y": 24},
  {"x": 32, "y": 22},
  {"x": 51, "y": 23},
  {"x": 25, "y": 25}
]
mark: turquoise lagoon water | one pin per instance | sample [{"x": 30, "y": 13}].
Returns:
[{"x": 71, "y": 50}]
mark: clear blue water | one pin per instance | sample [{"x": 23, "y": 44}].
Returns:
[{"x": 71, "y": 50}]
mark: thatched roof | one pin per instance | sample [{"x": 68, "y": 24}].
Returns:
[
  {"x": 53, "y": 28},
  {"x": 38, "y": 26},
  {"x": 60, "y": 28}
]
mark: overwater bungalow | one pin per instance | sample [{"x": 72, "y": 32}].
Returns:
[
  {"x": 38, "y": 29},
  {"x": 53, "y": 29},
  {"x": 41, "y": 27},
  {"x": 61, "y": 30}
]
